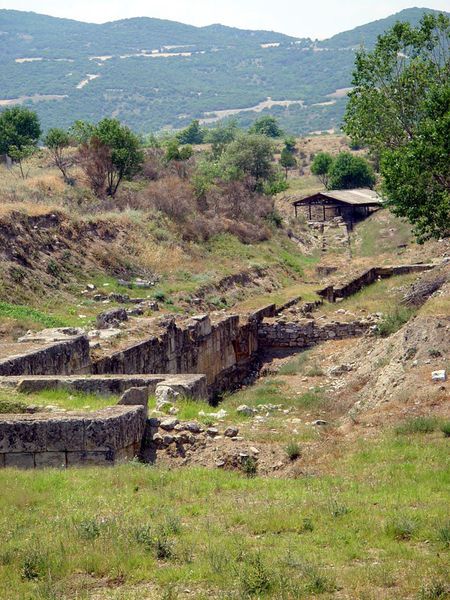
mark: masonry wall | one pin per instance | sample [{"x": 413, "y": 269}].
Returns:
[
  {"x": 61, "y": 358},
  {"x": 224, "y": 351},
  {"x": 307, "y": 333},
  {"x": 71, "y": 438},
  {"x": 332, "y": 293}
]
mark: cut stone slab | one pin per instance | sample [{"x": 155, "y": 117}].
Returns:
[{"x": 135, "y": 395}]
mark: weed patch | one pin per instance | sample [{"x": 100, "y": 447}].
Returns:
[
  {"x": 393, "y": 321},
  {"x": 417, "y": 425}
]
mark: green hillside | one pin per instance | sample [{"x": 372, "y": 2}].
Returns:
[{"x": 152, "y": 73}]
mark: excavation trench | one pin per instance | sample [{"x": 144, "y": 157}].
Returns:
[{"x": 201, "y": 357}]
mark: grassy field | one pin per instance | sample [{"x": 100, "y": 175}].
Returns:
[
  {"x": 382, "y": 296},
  {"x": 376, "y": 528},
  {"x": 12, "y": 401}
]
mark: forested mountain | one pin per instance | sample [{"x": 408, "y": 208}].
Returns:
[{"x": 152, "y": 73}]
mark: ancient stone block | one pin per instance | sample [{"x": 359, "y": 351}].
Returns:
[
  {"x": 135, "y": 395},
  {"x": 22, "y": 434},
  {"x": 65, "y": 433},
  {"x": 90, "y": 458},
  {"x": 56, "y": 460},
  {"x": 102, "y": 434},
  {"x": 22, "y": 460}
]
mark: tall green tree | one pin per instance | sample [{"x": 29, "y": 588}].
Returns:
[
  {"x": 400, "y": 107},
  {"x": 250, "y": 155},
  {"x": 219, "y": 137},
  {"x": 110, "y": 154},
  {"x": 20, "y": 131},
  {"x": 268, "y": 126},
  {"x": 349, "y": 171},
  {"x": 193, "y": 134},
  {"x": 57, "y": 141},
  {"x": 287, "y": 160},
  {"x": 320, "y": 167}
]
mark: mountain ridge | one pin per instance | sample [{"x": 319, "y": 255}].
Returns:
[{"x": 155, "y": 73}]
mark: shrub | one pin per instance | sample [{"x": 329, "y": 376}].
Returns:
[
  {"x": 307, "y": 524},
  {"x": 34, "y": 565},
  {"x": 321, "y": 166},
  {"x": 445, "y": 428},
  {"x": 337, "y": 509},
  {"x": 89, "y": 529},
  {"x": 434, "y": 591},
  {"x": 12, "y": 407},
  {"x": 314, "y": 371},
  {"x": 293, "y": 450},
  {"x": 402, "y": 528},
  {"x": 392, "y": 322},
  {"x": 444, "y": 534},
  {"x": 249, "y": 466},
  {"x": 254, "y": 576},
  {"x": 417, "y": 425},
  {"x": 349, "y": 171},
  {"x": 156, "y": 542}
]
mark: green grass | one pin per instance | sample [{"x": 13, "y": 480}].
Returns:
[
  {"x": 418, "y": 425},
  {"x": 28, "y": 314},
  {"x": 382, "y": 296},
  {"x": 393, "y": 321},
  {"x": 296, "y": 365},
  {"x": 373, "y": 529},
  {"x": 12, "y": 401},
  {"x": 379, "y": 234},
  {"x": 265, "y": 391}
]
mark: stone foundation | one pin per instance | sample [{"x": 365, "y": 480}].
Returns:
[
  {"x": 59, "y": 358},
  {"x": 72, "y": 438},
  {"x": 332, "y": 293},
  {"x": 193, "y": 386},
  {"x": 224, "y": 351},
  {"x": 302, "y": 334}
]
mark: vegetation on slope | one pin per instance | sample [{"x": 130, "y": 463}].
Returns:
[{"x": 229, "y": 67}]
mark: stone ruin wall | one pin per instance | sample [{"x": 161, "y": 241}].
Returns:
[
  {"x": 307, "y": 333},
  {"x": 224, "y": 351},
  {"x": 72, "y": 438},
  {"x": 61, "y": 358},
  {"x": 332, "y": 293}
]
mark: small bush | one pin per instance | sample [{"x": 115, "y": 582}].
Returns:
[
  {"x": 417, "y": 425},
  {"x": 434, "y": 353},
  {"x": 34, "y": 565},
  {"x": 444, "y": 534},
  {"x": 337, "y": 509},
  {"x": 435, "y": 591},
  {"x": 89, "y": 529},
  {"x": 392, "y": 322},
  {"x": 156, "y": 542},
  {"x": 7, "y": 407},
  {"x": 254, "y": 576},
  {"x": 249, "y": 466},
  {"x": 314, "y": 371},
  {"x": 307, "y": 524},
  {"x": 445, "y": 428},
  {"x": 293, "y": 450},
  {"x": 53, "y": 268},
  {"x": 402, "y": 528}
]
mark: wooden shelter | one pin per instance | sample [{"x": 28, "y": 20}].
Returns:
[{"x": 351, "y": 205}]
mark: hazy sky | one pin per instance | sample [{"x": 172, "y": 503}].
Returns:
[{"x": 302, "y": 18}]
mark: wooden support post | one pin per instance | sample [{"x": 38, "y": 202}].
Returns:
[
  {"x": 309, "y": 206},
  {"x": 323, "y": 206}
]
